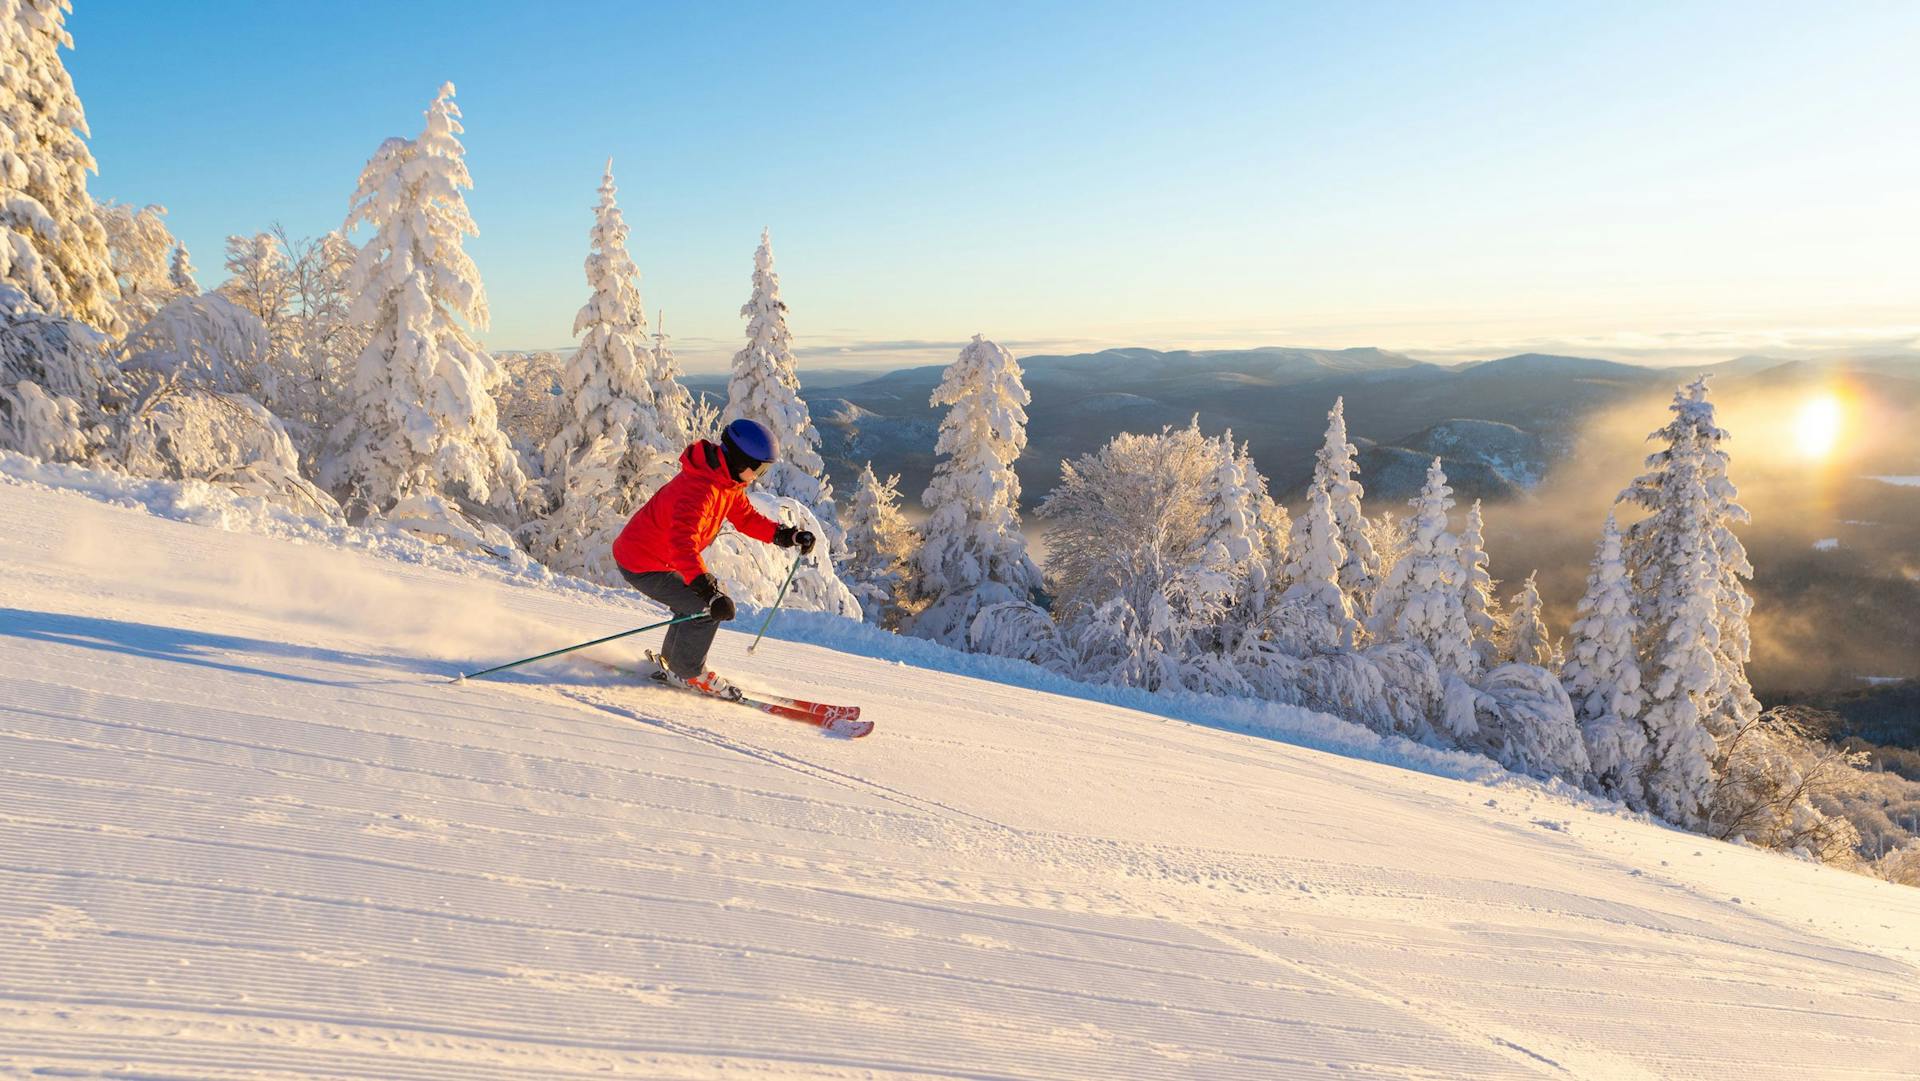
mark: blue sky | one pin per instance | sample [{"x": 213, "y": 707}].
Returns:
[{"x": 1630, "y": 180}]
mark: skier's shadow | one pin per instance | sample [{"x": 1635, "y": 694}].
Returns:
[{"x": 182, "y": 646}]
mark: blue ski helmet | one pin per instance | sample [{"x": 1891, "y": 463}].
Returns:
[{"x": 749, "y": 440}]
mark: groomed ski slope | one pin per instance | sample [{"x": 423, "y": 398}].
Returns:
[{"x": 248, "y": 831}]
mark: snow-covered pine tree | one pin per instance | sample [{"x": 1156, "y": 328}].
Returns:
[
  {"x": 53, "y": 247},
  {"x": 1230, "y": 518},
  {"x": 610, "y": 454},
  {"x": 1681, "y": 632},
  {"x": 1315, "y": 614},
  {"x": 1484, "y": 619},
  {"x": 1336, "y": 471},
  {"x": 1730, "y": 705},
  {"x": 138, "y": 243},
  {"x": 1528, "y": 641},
  {"x": 423, "y": 425},
  {"x": 1602, "y": 674},
  {"x": 672, "y": 402},
  {"x": 180, "y": 273},
  {"x": 765, "y": 386},
  {"x": 879, "y": 550},
  {"x": 1420, "y": 601},
  {"x": 974, "y": 554}
]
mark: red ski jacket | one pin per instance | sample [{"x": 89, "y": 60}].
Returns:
[{"x": 683, "y": 517}]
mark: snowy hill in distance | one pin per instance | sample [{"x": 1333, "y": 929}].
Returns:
[{"x": 251, "y": 832}]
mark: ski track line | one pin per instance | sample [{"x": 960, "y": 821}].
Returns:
[
  {"x": 731, "y": 948},
  {"x": 710, "y": 1053},
  {"x": 995, "y": 990},
  {"x": 375, "y": 765},
  {"x": 519, "y": 750},
  {"x": 1876, "y": 960},
  {"x": 783, "y": 759},
  {"x": 432, "y": 914},
  {"x": 720, "y": 896}
]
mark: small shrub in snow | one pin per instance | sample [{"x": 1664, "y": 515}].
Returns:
[
  {"x": 51, "y": 376},
  {"x": 171, "y": 429},
  {"x": 1767, "y": 779},
  {"x": 751, "y": 571},
  {"x": 1022, "y": 631},
  {"x": 1525, "y": 722}
]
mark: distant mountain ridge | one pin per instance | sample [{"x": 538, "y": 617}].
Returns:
[{"x": 1498, "y": 425}]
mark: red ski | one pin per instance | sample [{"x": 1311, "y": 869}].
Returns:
[{"x": 839, "y": 720}]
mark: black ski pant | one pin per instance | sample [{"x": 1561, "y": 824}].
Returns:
[{"x": 686, "y": 644}]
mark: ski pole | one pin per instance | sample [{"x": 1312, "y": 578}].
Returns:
[
  {"x": 776, "y": 602},
  {"x": 570, "y": 649}
]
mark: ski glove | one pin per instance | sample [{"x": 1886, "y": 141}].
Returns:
[
  {"x": 719, "y": 605},
  {"x": 793, "y": 537}
]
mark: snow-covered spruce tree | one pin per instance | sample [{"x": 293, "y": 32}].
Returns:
[
  {"x": 880, "y": 547},
  {"x": 672, "y": 402},
  {"x": 1140, "y": 562},
  {"x": 610, "y": 454},
  {"x": 139, "y": 244},
  {"x": 1681, "y": 632},
  {"x": 973, "y": 554},
  {"x": 765, "y": 387},
  {"x": 1420, "y": 601},
  {"x": 1234, "y": 499},
  {"x": 186, "y": 406},
  {"x": 1335, "y": 470},
  {"x": 1730, "y": 704},
  {"x": 1314, "y": 614},
  {"x": 1484, "y": 619},
  {"x": 180, "y": 273},
  {"x": 1528, "y": 641},
  {"x": 422, "y": 427},
  {"x": 53, "y": 247},
  {"x": 1602, "y": 675}
]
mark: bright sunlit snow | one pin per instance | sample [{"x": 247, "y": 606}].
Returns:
[{"x": 252, "y": 832}]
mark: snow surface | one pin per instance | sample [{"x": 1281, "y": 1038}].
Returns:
[
  {"x": 1904, "y": 482},
  {"x": 249, "y": 831},
  {"x": 1827, "y": 544}
]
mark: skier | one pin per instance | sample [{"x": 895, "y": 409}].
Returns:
[{"x": 659, "y": 550}]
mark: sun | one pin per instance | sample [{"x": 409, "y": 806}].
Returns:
[{"x": 1817, "y": 429}]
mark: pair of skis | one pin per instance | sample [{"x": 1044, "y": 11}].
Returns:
[{"x": 839, "y": 720}]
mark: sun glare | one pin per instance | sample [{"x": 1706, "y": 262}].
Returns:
[{"x": 1818, "y": 428}]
